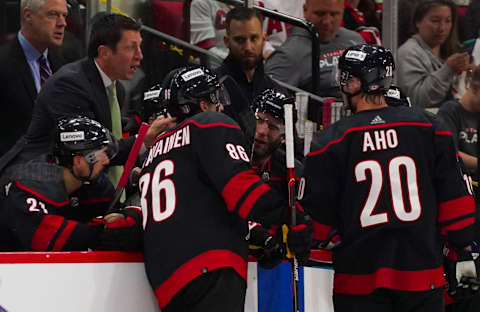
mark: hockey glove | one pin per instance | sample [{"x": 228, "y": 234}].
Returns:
[
  {"x": 300, "y": 237},
  {"x": 461, "y": 269},
  {"x": 124, "y": 234},
  {"x": 263, "y": 245}
]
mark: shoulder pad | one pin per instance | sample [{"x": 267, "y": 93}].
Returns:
[{"x": 52, "y": 193}]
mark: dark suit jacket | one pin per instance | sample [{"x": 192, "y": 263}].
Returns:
[
  {"x": 76, "y": 89},
  {"x": 17, "y": 92}
]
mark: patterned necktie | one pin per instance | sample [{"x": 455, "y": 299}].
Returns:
[
  {"x": 45, "y": 70},
  {"x": 115, "y": 172}
]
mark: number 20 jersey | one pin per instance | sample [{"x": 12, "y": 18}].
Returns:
[
  {"x": 197, "y": 191},
  {"x": 388, "y": 180}
]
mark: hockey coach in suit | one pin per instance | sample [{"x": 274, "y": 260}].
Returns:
[{"x": 22, "y": 60}]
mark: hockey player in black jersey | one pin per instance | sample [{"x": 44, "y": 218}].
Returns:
[
  {"x": 51, "y": 206},
  {"x": 387, "y": 180},
  {"x": 197, "y": 191}
]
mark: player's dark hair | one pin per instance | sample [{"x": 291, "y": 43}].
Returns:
[
  {"x": 242, "y": 14},
  {"x": 422, "y": 8},
  {"x": 373, "y": 97},
  {"x": 107, "y": 29}
]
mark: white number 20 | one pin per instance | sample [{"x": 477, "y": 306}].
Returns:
[
  {"x": 367, "y": 216},
  {"x": 158, "y": 186}
]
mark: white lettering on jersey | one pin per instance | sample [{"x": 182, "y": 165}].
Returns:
[
  {"x": 382, "y": 140},
  {"x": 178, "y": 139}
]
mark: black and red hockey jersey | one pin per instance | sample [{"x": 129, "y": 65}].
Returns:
[
  {"x": 197, "y": 191},
  {"x": 388, "y": 180},
  {"x": 39, "y": 215}
]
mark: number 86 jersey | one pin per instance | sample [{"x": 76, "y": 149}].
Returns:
[
  {"x": 197, "y": 190},
  {"x": 388, "y": 181}
]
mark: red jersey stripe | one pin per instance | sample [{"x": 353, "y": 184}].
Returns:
[
  {"x": 456, "y": 208},
  {"x": 43, "y": 197},
  {"x": 45, "y": 232},
  {"x": 251, "y": 199},
  {"x": 207, "y": 44},
  {"x": 393, "y": 124},
  {"x": 210, "y": 260},
  {"x": 362, "y": 284},
  {"x": 237, "y": 186},
  {"x": 457, "y": 225},
  {"x": 63, "y": 237}
]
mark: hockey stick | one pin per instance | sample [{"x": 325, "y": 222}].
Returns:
[
  {"x": 290, "y": 159},
  {"x": 132, "y": 158}
]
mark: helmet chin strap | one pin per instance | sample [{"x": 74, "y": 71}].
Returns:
[
  {"x": 84, "y": 179},
  {"x": 349, "y": 98}
]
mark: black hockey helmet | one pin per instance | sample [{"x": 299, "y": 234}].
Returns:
[
  {"x": 185, "y": 87},
  {"x": 395, "y": 97},
  {"x": 271, "y": 102},
  {"x": 373, "y": 65},
  {"x": 153, "y": 103},
  {"x": 81, "y": 136}
]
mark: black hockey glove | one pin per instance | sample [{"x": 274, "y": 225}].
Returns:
[
  {"x": 461, "y": 270},
  {"x": 264, "y": 246},
  {"x": 300, "y": 237},
  {"x": 125, "y": 234}
]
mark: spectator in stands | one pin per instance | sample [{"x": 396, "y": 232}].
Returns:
[
  {"x": 208, "y": 24},
  {"x": 462, "y": 117},
  {"x": 354, "y": 19},
  {"x": 242, "y": 71},
  {"x": 26, "y": 62},
  {"x": 428, "y": 62},
  {"x": 291, "y": 63}
]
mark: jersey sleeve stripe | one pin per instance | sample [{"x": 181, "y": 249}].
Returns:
[
  {"x": 362, "y": 284},
  {"x": 457, "y": 225},
  {"x": 456, "y": 208},
  {"x": 251, "y": 199},
  {"x": 443, "y": 132},
  {"x": 237, "y": 186},
  {"x": 96, "y": 201},
  {"x": 43, "y": 197},
  {"x": 45, "y": 232},
  {"x": 387, "y": 125},
  {"x": 192, "y": 269},
  {"x": 321, "y": 231},
  {"x": 63, "y": 237},
  {"x": 207, "y": 44}
]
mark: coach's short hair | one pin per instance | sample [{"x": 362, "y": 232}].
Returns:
[
  {"x": 242, "y": 14},
  {"x": 107, "y": 30}
]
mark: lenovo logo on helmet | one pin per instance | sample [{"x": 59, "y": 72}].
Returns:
[
  {"x": 192, "y": 74},
  {"x": 72, "y": 136},
  {"x": 151, "y": 94},
  {"x": 356, "y": 55}
]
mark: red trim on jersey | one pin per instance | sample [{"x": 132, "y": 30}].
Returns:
[
  {"x": 321, "y": 255},
  {"x": 443, "y": 132},
  {"x": 321, "y": 231},
  {"x": 251, "y": 199},
  {"x": 207, "y": 44},
  {"x": 237, "y": 186},
  {"x": 48, "y": 200},
  {"x": 456, "y": 208},
  {"x": 96, "y": 201},
  {"x": 215, "y": 124},
  {"x": 210, "y": 260},
  {"x": 363, "y": 284},
  {"x": 448, "y": 299},
  {"x": 393, "y": 124},
  {"x": 70, "y": 257},
  {"x": 62, "y": 238},
  {"x": 457, "y": 225},
  {"x": 45, "y": 232}
]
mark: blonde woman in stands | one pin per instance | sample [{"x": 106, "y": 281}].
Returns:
[{"x": 429, "y": 61}]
